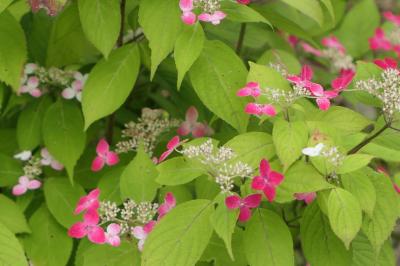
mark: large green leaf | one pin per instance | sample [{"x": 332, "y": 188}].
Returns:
[
  {"x": 12, "y": 216},
  {"x": 61, "y": 198},
  {"x": 4, "y": 4},
  {"x": 63, "y": 133},
  {"x": 267, "y": 77},
  {"x": 11, "y": 252},
  {"x": 110, "y": 83},
  {"x": 12, "y": 50},
  {"x": 125, "y": 255},
  {"x": 344, "y": 214},
  {"x": 216, "y": 76},
  {"x": 281, "y": 57},
  {"x": 10, "y": 170},
  {"x": 310, "y": 8},
  {"x": 365, "y": 255},
  {"x": 353, "y": 163},
  {"x": 242, "y": 13},
  {"x": 320, "y": 245},
  {"x": 138, "y": 179},
  {"x": 48, "y": 244},
  {"x": 181, "y": 236},
  {"x": 161, "y": 24},
  {"x": 267, "y": 240},
  {"x": 100, "y": 23},
  {"x": 177, "y": 171},
  {"x": 109, "y": 185}
]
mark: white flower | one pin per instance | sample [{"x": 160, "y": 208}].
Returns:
[
  {"x": 313, "y": 151},
  {"x": 23, "y": 156}
]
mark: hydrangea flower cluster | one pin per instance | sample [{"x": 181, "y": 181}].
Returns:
[
  {"x": 38, "y": 80},
  {"x": 52, "y": 7},
  {"x": 130, "y": 220},
  {"x": 33, "y": 169},
  {"x": 386, "y": 88},
  {"x": 391, "y": 41}
]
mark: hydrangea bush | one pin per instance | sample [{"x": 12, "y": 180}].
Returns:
[{"x": 199, "y": 132}]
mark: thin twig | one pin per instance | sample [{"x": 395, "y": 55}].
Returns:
[
  {"x": 368, "y": 140},
  {"x": 239, "y": 43}
]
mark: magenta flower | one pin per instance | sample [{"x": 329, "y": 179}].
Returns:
[
  {"x": 31, "y": 87},
  {"x": 171, "y": 146},
  {"x": 251, "y": 89},
  {"x": 167, "y": 206},
  {"x": 104, "y": 156},
  {"x": 333, "y": 42},
  {"x": 89, "y": 227},
  {"x": 293, "y": 40},
  {"x": 309, "y": 49},
  {"x": 260, "y": 109},
  {"x": 267, "y": 181},
  {"x": 88, "y": 202},
  {"x": 188, "y": 17},
  {"x": 47, "y": 159},
  {"x": 245, "y": 205},
  {"x": 386, "y": 63},
  {"x": 190, "y": 125},
  {"x": 343, "y": 81},
  {"x": 392, "y": 17},
  {"x": 306, "y": 197},
  {"x": 112, "y": 234},
  {"x": 214, "y": 18},
  {"x": 379, "y": 41},
  {"x": 141, "y": 233},
  {"x": 243, "y": 2},
  {"x": 304, "y": 80},
  {"x": 25, "y": 184}
]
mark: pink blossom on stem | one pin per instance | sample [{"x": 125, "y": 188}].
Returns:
[
  {"x": 141, "y": 233},
  {"x": 112, "y": 234},
  {"x": 386, "y": 63},
  {"x": 167, "y": 206},
  {"x": 251, "y": 89},
  {"x": 392, "y": 17},
  {"x": 379, "y": 41},
  {"x": 25, "y": 184},
  {"x": 267, "y": 181},
  {"x": 190, "y": 125},
  {"x": 245, "y": 205},
  {"x": 47, "y": 159},
  {"x": 343, "y": 81},
  {"x": 104, "y": 156},
  {"x": 214, "y": 18},
  {"x": 333, "y": 42},
  {"x": 171, "y": 146},
  {"x": 306, "y": 197},
  {"x": 89, "y": 227},
  {"x": 88, "y": 202},
  {"x": 31, "y": 87},
  {"x": 260, "y": 109}
]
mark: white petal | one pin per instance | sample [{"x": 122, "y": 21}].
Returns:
[
  {"x": 68, "y": 93},
  {"x": 23, "y": 156}
]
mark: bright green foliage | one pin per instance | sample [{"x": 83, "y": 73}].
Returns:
[
  {"x": 126, "y": 254},
  {"x": 365, "y": 255},
  {"x": 12, "y": 216},
  {"x": 177, "y": 171},
  {"x": 354, "y": 162},
  {"x": 311, "y": 8},
  {"x": 11, "y": 252},
  {"x": 242, "y": 13},
  {"x": 10, "y": 170}
]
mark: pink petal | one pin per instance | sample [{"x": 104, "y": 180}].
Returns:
[
  {"x": 112, "y": 158},
  {"x": 244, "y": 214},
  {"x": 77, "y": 230},
  {"x": 269, "y": 192},
  {"x": 386, "y": 63},
  {"x": 33, "y": 82},
  {"x": 217, "y": 17},
  {"x": 141, "y": 244},
  {"x": 243, "y": 2},
  {"x": 343, "y": 81},
  {"x": 77, "y": 85},
  {"x": 269, "y": 110},
  {"x": 392, "y": 17},
  {"x": 243, "y": 92},
  {"x": 113, "y": 229},
  {"x": 309, "y": 49},
  {"x": 68, "y": 93},
  {"x": 186, "y": 5},
  {"x": 149, "y": 226},
  {"x": 199, "y": 130},
  {"x": 293, "y": 40},
  {"x": 170, "y": 199},
  {"x": 323, "y": 103},
  {"x": 164, "y": 155},
  {"x": 45, "y": 153},
  {"x": 163, "y": 210},
  {"x": 24, "y": 180},
  {"x": 252, "y": 201},
  {"x": 258, "y": 183},
  {"x": 97, "y": 164},
  {"x": 315, "y": 88},
  {"x": 94, "y": 194},
  {"x": 96, "y": 235},
  {"x": 192, "y": 115},
  {"x": 139, "y": 233},
  {"x": 102, "y": 147},
  {"x": 56, "y": 165},
  {"x": 189, "y": 18},
  {"x": 306, "y": 73},
  {"x": 333, "y": 42},
  {"x": 114, "y": 241},
  {"x": 265, "y": 168},
  {"x": 35, "y": 93},
  {"x": 91, "y": 217},
  {"x": 232, "y": 202},
  {"x": 275, "y": 178},
  {"x": 184, "y": 129},
  {"x": 253, "y": 109},
  {"x": 379, "y": 41},
  {"x": 173, "y": 143},
  {"x": 34, "y": 184},
  {"x": 18, "y": 190}
]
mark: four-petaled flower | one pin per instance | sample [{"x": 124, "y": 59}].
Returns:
[
  {"x": 171, "y": 146},
  {"x": 25, "y": 184},
  {"x": 214, "y": 18},
  {"x": 190, "y": 125},
  {"x": 89, "y": 227},
  {"x": 251, "y": 89},
  {"x": 306, "y": 197},
  {"x": 104, "y": 156},
  {"x": 31, "y": 87},
  {"x": 141, "y": 233},
  {"x": 267, "y": 181},
  {"x": 379, "y": 41},
  {"x": 47, "y": 159},
  {"x": 245, "y": 205},
  {"x": 112, "y": 234},
  {"x": 168, "y": 205},
  {"x": 386, "y": 63},
  {"x": 260, "y": 109},
  {"x": 88, "y": 202},
  {"x": 75, "y": 90}
]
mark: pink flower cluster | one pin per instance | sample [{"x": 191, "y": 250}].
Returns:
[
  {"x": 192, "y": 126},
  {"x": 104, "y": 156},
  {"x": 381, "y": 42},
  {"x": 189, "y": 17},
  {"x": 51, "y": 6},
  {"x": 30, "y": 82}
]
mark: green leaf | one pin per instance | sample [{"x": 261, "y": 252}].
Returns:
[
  {"x": 10, "y": 170},
  {"x": 223, "y": 221},
  {"x": 353, "y": 163},
  {"x": 29, "y": 126},
  {"x": 100, "y": 23},
  {"x": 109, "y": 185},
  {"x": 329, "y": 7},
  {"x": 242, "y": 13},
  {"x": 4, "y": 4},
  {"x": 162, "y": 25},
  {"x": 48, "y": 244},
  {"x": 267, "y": 77},
  {"x": 63, "y": 133},
  {"x": 280, "y": 57},
  {"x": 320, "y": 245},
  {"x": 110, "y": 83},
  {"x": 181, "y": 236},
  {"x": 252, "y": 147},
  {"x": 310, "y": 8},
  {"x": 379, "y": 226},
  {"x": 344, "y": 214},
  {"x": 289, "y": 139},
  {"x": 11, "y": 252},
  {"x": 12, "y": 50},
  {"x": 267, "y": 240},
  {"x": 216, "y": 76},
  {"x": 177, "y": 171},
  {"x": 126, "y": 254},
  {"x": 206, "y": 187},
  {"x": 12, "y": 216},
  {"x": 361, "y": 187},
  {"x": 365, "y": 255},
  {"x": 61, "y": 198},
  {"x": 188, "y": 48},
  {"x": 138, "y": 179}
]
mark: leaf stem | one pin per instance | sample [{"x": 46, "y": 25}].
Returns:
[
  {"x": 369, "y": 139},
  {"x": 239, "y": 43}
]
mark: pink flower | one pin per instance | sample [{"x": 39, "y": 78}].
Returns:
[
  {"x": 243, "y": 2},
  {"x": 304, "y": 80},
  {"x": 251, "y": 89},
  {"x": 190, "y": 125},
  {"x": 31, "y": 87},
  {"x": 343, "y": 81},
  {"x": 47, "y": 159},
  {"x": 112, "y": 234},
  {"x": 214, "y": 18},
  {"x": 141, "y": 233},
  {"x": 333, "y": 42},
  {"x": 245, "y": 205},
  {"x": 89, "y": 227},
  {"x": 25, "y": 184},
  {"x": 267, "y": 181},
  {"x": 75, "y": 90},
  {"x": 306, "y": 197},
  {"x": 188, "y": 17},
  {"x": 379, "y": 41},
  {"x": 104, "y": 156},
  {"x": 392, "y": 17},
  {"x": 386, "y": 63},
  {"x": 293, "y": 40},
  {"x": 30, "y": 68},
  {"x": 167, "y": 206},
  {"x": 309, "y": 49},
  {"x": 260, "y": 109},
  {"x": 89, "y": 202},
  {"x": 171, "y": 146}
]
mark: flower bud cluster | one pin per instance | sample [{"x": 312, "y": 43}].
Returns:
[
  {"x": 218, "y": 162},
  {"x": 146, "y": 130},
  {"x": 333, "y": 155},
  {"x": 339, "y": 60}
]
